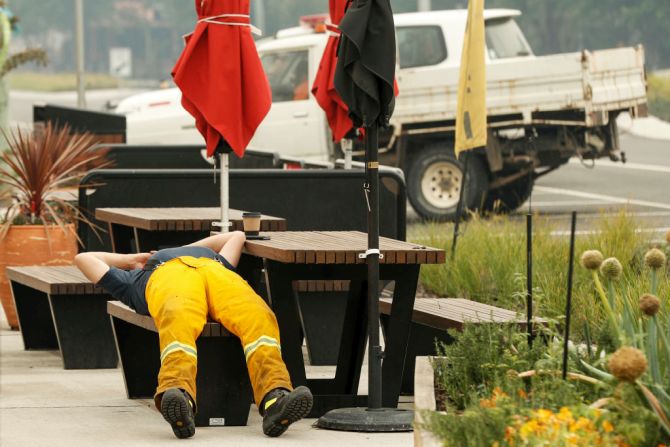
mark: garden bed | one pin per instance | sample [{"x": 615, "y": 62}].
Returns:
[{"x": 610, "y": 387}]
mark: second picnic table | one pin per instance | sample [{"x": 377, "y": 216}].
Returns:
[
  {"x": 143, "y": 229},
  {"x": 334, "y": 255}
]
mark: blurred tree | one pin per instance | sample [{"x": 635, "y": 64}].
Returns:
[{"x": 551, "y": 26}]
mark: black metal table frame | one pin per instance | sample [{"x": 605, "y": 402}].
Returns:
[{"x": 342, "y": 390}]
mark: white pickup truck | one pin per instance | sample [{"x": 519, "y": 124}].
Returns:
[{"x": 542, "y": 110}]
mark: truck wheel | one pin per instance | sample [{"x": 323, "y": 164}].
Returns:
[
  {"x": 509, "y": 197},
  {"x": 434, "y": 182}
]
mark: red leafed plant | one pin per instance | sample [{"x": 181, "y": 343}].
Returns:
[{"x": 39, "y": 164}]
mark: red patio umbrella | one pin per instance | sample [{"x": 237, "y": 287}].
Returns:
[
  {"x": 222, "y": 81},
  {"x": 323, "y": 88}
]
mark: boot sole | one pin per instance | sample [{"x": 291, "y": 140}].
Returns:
[
  {"x": 175, "y": 408},
  {"x": 298, "y": 405}
]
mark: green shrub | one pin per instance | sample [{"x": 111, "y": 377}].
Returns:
[{"x": 658, "y": 94}]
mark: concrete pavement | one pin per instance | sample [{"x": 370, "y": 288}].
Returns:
[{"x": 41, "y": 404}]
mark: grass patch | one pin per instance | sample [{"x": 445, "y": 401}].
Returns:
[
  {"x": 58, "y": 82},
  {"x": 659, "y": 96},
  {"x": 490, "y": 266}
]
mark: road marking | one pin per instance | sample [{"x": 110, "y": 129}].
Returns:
[
  {"x": 619, "y": 165},
  {"x": 614, "y": 214},
  {"x": 588, "y": 232},
  {"x": 610, "y": 199},
  {"x": 565, "y": 203}
]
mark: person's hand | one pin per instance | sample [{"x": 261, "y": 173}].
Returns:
[{"x": 138, "y": 260}]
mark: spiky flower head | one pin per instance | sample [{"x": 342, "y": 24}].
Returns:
[
  {"x": 627, "y": 364},
  {"x": 591, "y": 259},
  {"x": 649, "y": 304},
  {"x": 611, "y": 268},
  {"x": 655, "y": 258}
]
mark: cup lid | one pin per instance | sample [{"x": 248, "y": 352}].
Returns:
[{"x": 251, "y": 214}]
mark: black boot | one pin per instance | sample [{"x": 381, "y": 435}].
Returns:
[
  {"x": 280, "y": 408},
  {"x": 177, "y": 409}
]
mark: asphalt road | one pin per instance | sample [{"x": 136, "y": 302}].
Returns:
[{"x": 642, "y": 186}]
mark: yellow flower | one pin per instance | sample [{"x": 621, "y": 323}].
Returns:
[
  {"x": 608, "y": 427},
  {"x": 529, "y": 428},
  {"x": 543, "y": 415},
  {"x": 584, "y": 424},
  {"x": 565, "y": 415},
  {"x": 572, "y": 439}
]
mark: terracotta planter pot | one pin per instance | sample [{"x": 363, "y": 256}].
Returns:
[{"x": 33, "y": 245}]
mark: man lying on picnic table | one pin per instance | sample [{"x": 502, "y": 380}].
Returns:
[{"x": 179, "y": 287}]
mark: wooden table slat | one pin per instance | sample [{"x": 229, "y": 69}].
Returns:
[
  {"x": 172, "y": 219},
  {"x": 329, "y": 247},
  {"x": 56, "y": 280}
]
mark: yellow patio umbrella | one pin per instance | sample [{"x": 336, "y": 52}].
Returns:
[{"x": 471, "y": 105}]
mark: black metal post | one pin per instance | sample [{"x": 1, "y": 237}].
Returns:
[
  {"x": 374, "y": 353},
  {"x": 529, "y": 277},
  {"x": 459, "y": 207},
  {"x": 374, "y": 418},
  {"x": 568, "y": 302}
]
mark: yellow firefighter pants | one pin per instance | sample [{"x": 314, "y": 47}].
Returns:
[{"x": 181, "y": 293}]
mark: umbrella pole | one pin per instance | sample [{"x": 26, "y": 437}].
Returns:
[
  {"x": 374, "y": 349},
  {"x": 529, "y": 278},
  {"x": 374, "y": 418},
  {"x": 459, "y": 207},
  {"x": 225, "y": 222},
  {"x": 346, "y": 148},
  {"x": 568, "y": 301}
]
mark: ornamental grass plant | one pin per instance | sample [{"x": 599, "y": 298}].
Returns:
[
  {"x": 36, "y": 167},
  {"x": 490, "y": 266}
]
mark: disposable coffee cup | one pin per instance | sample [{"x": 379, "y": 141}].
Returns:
[{"x": 252, "y": 223}]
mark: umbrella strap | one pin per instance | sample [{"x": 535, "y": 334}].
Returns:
[
  {"x": 221, "y": 20},
  {"x": 333, "y": 30}
]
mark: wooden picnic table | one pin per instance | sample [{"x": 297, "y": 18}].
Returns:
[
  {"x": 144, "y": 229},
  {"x": 334, "y": 255}
]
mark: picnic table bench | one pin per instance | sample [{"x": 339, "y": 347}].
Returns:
[
  {"x": 58, "y": 308},
  {"x": 431, "y": 317},
  {"x": 224, "y": 391}
]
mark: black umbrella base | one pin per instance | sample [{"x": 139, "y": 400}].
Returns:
[{"x": 365, "y": 420}]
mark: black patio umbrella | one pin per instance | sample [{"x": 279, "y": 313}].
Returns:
[{"x": 364, "y": 78}]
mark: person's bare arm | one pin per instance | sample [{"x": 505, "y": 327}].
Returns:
[
  {"x": 228, "y": 245},
  {"x": 95, "y": 264},
  {"x": 216, "y": 242}
]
